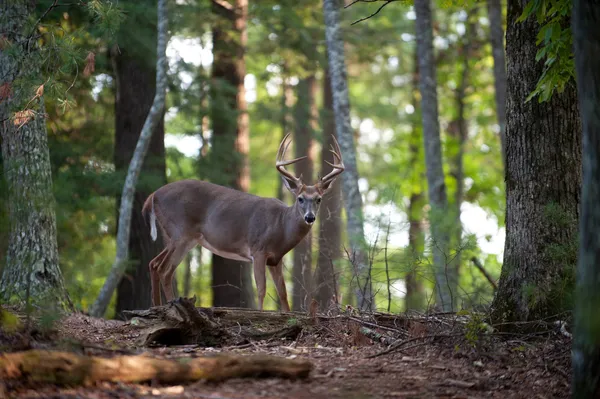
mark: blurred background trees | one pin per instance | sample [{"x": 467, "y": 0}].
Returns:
[{"x": 241, "y": 75}]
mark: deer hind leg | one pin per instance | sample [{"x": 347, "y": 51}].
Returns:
[
  {"x": 259, "y": 263},
  {"x": 277, "y": 275},
  {"x": 153, "y": 267},
  {"x": 178, "y": 250}
]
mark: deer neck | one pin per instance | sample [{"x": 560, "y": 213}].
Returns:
[{"x": 296, "y": 228}]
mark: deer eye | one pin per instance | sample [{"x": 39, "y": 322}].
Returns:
[
  {"x": 301, "y": 200},
  {"x": 318, "y": 201}
]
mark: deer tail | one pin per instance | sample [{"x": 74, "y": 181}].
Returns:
[{"x": 149, "y": 208}]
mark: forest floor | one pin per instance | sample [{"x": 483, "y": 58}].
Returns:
[{"x": 435, "y": 356}]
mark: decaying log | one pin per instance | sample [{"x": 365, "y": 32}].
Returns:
[
  {"x": 177, "y": 323},
  {"x": 65, "y": 368}
]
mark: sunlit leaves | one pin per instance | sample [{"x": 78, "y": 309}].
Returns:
[{"x": 556, "y": 40}]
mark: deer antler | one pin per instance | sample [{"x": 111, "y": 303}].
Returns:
[
  {"x": 280, "y": 163},
  {"x": 338, "y": 166}
]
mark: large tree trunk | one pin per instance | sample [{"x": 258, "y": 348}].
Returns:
[
  {"x": 306, "y": 119},
  {"x": 494, "y": 8},
  {"x": 154, "y": 116},
  {"x": 31, "y": 271},
  {"x": 330, "y": 213},
  {"x": 135, "y": 71},
  {"x": 586, "y": 346},
  {"x": 231, "y": 279},
  {"x": 543, "y": 181},
  {"x": 352, "y": 196},
  {"x": 433, "y": 153}
]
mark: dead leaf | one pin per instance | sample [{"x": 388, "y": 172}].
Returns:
[
  {"x": 90, "y": 64},
  {"x": 5, "y": 91},
  {"x": 23, "y": 117},
  {"x": 4, "y": 42},
  {"x": 40, "y": 91}
]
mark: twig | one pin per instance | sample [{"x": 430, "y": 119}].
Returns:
[
  {"x": 399, "y": 344},
  {"x": 375, "y": 13},
  {"x": 479, "y": 266}
]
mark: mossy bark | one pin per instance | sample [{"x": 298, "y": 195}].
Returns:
[
  {"x": 31, "y": 270},
  {"x": 543, "y": 182}
]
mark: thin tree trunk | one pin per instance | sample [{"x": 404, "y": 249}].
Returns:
[
  {"x": 494, "y": 8},
  {"x": 31, "y": 271},
  {"x": 135, "y": 71},
  {"x": 458, "y": 131},
  {"x": 543, "y": 183},
  {"x": 415, "y": 296},
  {"x": 154, "y": 116},
  {"x": 352, "y": 196},
  {"x": 231, "y": 279},
  {"x": 433, "y": 153},
  {"x": 586, "y": 346},
  {"x": 287, "y": 122},
  {"x": 306, "y": 119},
  {"x": 330, "y": 213}
]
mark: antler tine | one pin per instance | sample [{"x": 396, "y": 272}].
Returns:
[
  {"x": 337, "y": 167},
  {"x": 280, "y": 163}
]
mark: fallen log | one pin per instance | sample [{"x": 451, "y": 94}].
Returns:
[{"x": 65, "y": 368}]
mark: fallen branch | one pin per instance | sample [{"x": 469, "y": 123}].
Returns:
[{"x": 65, "y": 368}]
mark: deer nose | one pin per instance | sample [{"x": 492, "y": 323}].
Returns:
[{"x": 309, "y": 218}]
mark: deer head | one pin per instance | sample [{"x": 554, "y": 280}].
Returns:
[{"x": 308, "y": 197}]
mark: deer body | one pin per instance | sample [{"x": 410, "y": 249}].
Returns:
[{"x": 232, "y": 224}]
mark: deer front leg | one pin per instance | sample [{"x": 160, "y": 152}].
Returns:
[
  {"x": 259, "y": 263},
  {"x": 277, "y": 275}
]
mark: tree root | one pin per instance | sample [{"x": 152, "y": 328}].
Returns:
[{"x": 64, "y": 368}]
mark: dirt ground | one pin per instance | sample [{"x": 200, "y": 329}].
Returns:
[{"x": 439, "y": 358}]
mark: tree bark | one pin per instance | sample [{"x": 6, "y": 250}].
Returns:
[
  {"x": 433, "y": 153},
  {"x": 330, "y": 213},
  {"x": 154, "y": 116},
  {"x": 586, "y": 346},
  {"x": 457, "y": 130},
  {"x": 352, "y": 196},
  {"x": 415, "y": 296},
  {"x": 543, "y": 182},
  {"x": 306, "y": 119},
  {"x": 135, "y": 71},
  {"x": 494, "y": 8},
  {"x": 31, "y": 272},
  {"x": 231, "y": 279}
]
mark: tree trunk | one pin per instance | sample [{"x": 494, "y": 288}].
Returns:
[
  {"x": 287, "y": 122},
  {"x": 31, "y": 271},
  {"x": 415, "y": 296},
  {"x": 543, "y": 182},
  {"x": 433, "y": 153},
  {"x": 352, "y": 196},
  {"x": 154, "y": 116},
  {"x": 497, "y": 40},
  {"x": 330, "y": 213},
  {"x": 306, "y": 119},
  {"x": 586, "y": 346},
  {"x": 457, "y": 130},
  {"x": 135, "y": 72},
  {"x": 231, "y": 279}
]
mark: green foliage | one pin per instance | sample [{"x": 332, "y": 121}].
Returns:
[{"x": 556, "y": 40}]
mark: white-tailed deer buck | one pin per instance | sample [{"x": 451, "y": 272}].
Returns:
[{"x": 234, "y": 224}]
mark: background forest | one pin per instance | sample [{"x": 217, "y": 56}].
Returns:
[{"x": 225, "y": 115}]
